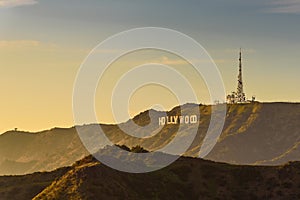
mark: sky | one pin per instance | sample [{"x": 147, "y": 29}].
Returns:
[{"x": 44, "y": 42}]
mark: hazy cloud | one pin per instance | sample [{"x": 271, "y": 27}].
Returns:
[
  {"x": 14, "y": 3},
  {"x": 21, "y": 45},
  {"x": 18, "y": 43},
  {"x": 167, "y": 61},
  {"x": 284, "y": 6}
]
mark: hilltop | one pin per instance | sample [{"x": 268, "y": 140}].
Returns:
[
  {"x": 254, "y": 134},
  {"x": 187, "y": 178}
]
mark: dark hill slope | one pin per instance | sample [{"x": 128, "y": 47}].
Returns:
[
  {"x": 187, "y": 178},
  {"x": 28, "y": 186}
]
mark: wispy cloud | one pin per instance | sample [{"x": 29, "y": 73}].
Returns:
[
  {"x": 14, "y": 3},
  {"x": 24, "y": 45},
  {"x": 18, "y": 43},
  {"x": 167, "y": 61},
  {"x": 284, "y": 6}
]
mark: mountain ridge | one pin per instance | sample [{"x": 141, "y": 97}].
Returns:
[
  {"x": 255, "y": 133},
  {"x": 186, "y": 178}
]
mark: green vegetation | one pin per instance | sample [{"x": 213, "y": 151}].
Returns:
[{"x": 138, "y": 149}]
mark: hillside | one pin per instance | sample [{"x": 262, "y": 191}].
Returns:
[
  {"x": 260, "y": 134},
  {"x": 23, "y": 153},
  {"x": 28, "y": 186},
  {"x": 256, "y": 134},
  {"x": 187, "y": 178}
]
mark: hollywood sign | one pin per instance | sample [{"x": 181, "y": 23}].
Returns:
[{"x": 192, "y": 119}]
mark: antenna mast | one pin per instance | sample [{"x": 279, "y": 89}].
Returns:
[
  {"x": 238, "y": 96},
  {"x": 240, "y": 89}
]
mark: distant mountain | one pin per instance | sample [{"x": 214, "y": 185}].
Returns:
[
  {"x": 255, "y": 134},
  {"x": 22, "y": 152},
  {"x": 187, "y": 178}
]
